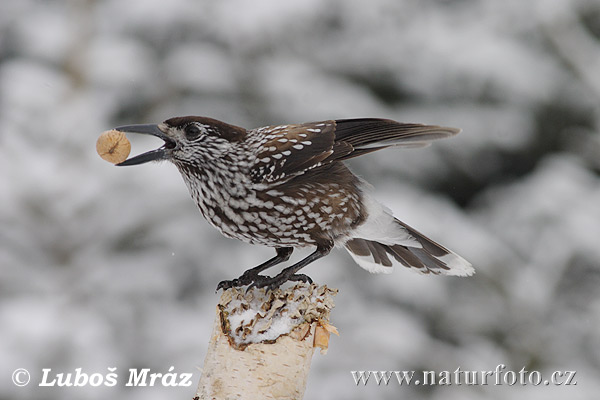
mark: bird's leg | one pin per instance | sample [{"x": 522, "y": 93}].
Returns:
[
  {"x": 249, "y": 276},
  {"x": 289, "y": 273}
]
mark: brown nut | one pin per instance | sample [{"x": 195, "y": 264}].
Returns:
[{"x": 113, "y": 146}]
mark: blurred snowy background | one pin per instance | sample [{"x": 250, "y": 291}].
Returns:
[{"x": 114, "y": 267}]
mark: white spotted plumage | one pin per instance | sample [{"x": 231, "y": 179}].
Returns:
[{"x": 285, "y": 186}]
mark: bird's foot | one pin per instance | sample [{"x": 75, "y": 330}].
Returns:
[
  {"x": 259, "y": 281},
  {"x": 272, "y": 283},
  {"x": 245, "y": 279}
]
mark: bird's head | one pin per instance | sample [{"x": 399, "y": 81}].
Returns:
[{"x": 188, "y": 140}]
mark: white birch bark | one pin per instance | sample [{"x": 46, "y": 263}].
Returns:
[{"x": 262, "y": 343}]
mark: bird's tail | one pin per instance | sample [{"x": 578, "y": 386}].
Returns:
[{"x": 385, "y": 241}]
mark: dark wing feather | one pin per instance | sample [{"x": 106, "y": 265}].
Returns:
[
  {"x": 290, "y": 150},
  {"x": 374, "y": 134}
]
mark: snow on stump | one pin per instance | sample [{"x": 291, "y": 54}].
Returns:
[{"x": 263, "y": 342}]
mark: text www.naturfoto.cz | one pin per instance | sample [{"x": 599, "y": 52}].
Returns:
[{"x": 498, "y": 377}]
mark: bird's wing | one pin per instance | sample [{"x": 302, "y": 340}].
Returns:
[
  {"x": 370, "y": 134},
  {"x": 289, "y": 150}
]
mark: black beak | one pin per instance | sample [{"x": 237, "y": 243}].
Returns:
[{"x": 154, "y": 155}]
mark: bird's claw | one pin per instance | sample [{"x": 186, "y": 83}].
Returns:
[
  {"x": 262, "y": 281},
  {"x": 224, "y": 285},
  {"x": 272, "y": 283},
  {"x": 228, "y": 284},
  {"x": 243, "y": 280}
]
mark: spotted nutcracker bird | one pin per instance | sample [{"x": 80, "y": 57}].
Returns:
[{"x": 286, "y": 186}]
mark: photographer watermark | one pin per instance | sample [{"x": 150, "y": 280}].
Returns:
[
  {"x": 79, "y": 378},
  {"x": 21, "y": 377},
  {"x": 497, "y": 377}
]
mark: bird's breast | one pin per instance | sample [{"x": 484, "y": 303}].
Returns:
[{"x": 300, "y": 214}]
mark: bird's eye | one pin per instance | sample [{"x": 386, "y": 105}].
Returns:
[{"x": 192, "y": 131}]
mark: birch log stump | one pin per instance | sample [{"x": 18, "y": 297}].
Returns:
[{"x": 263, "y": 342}]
